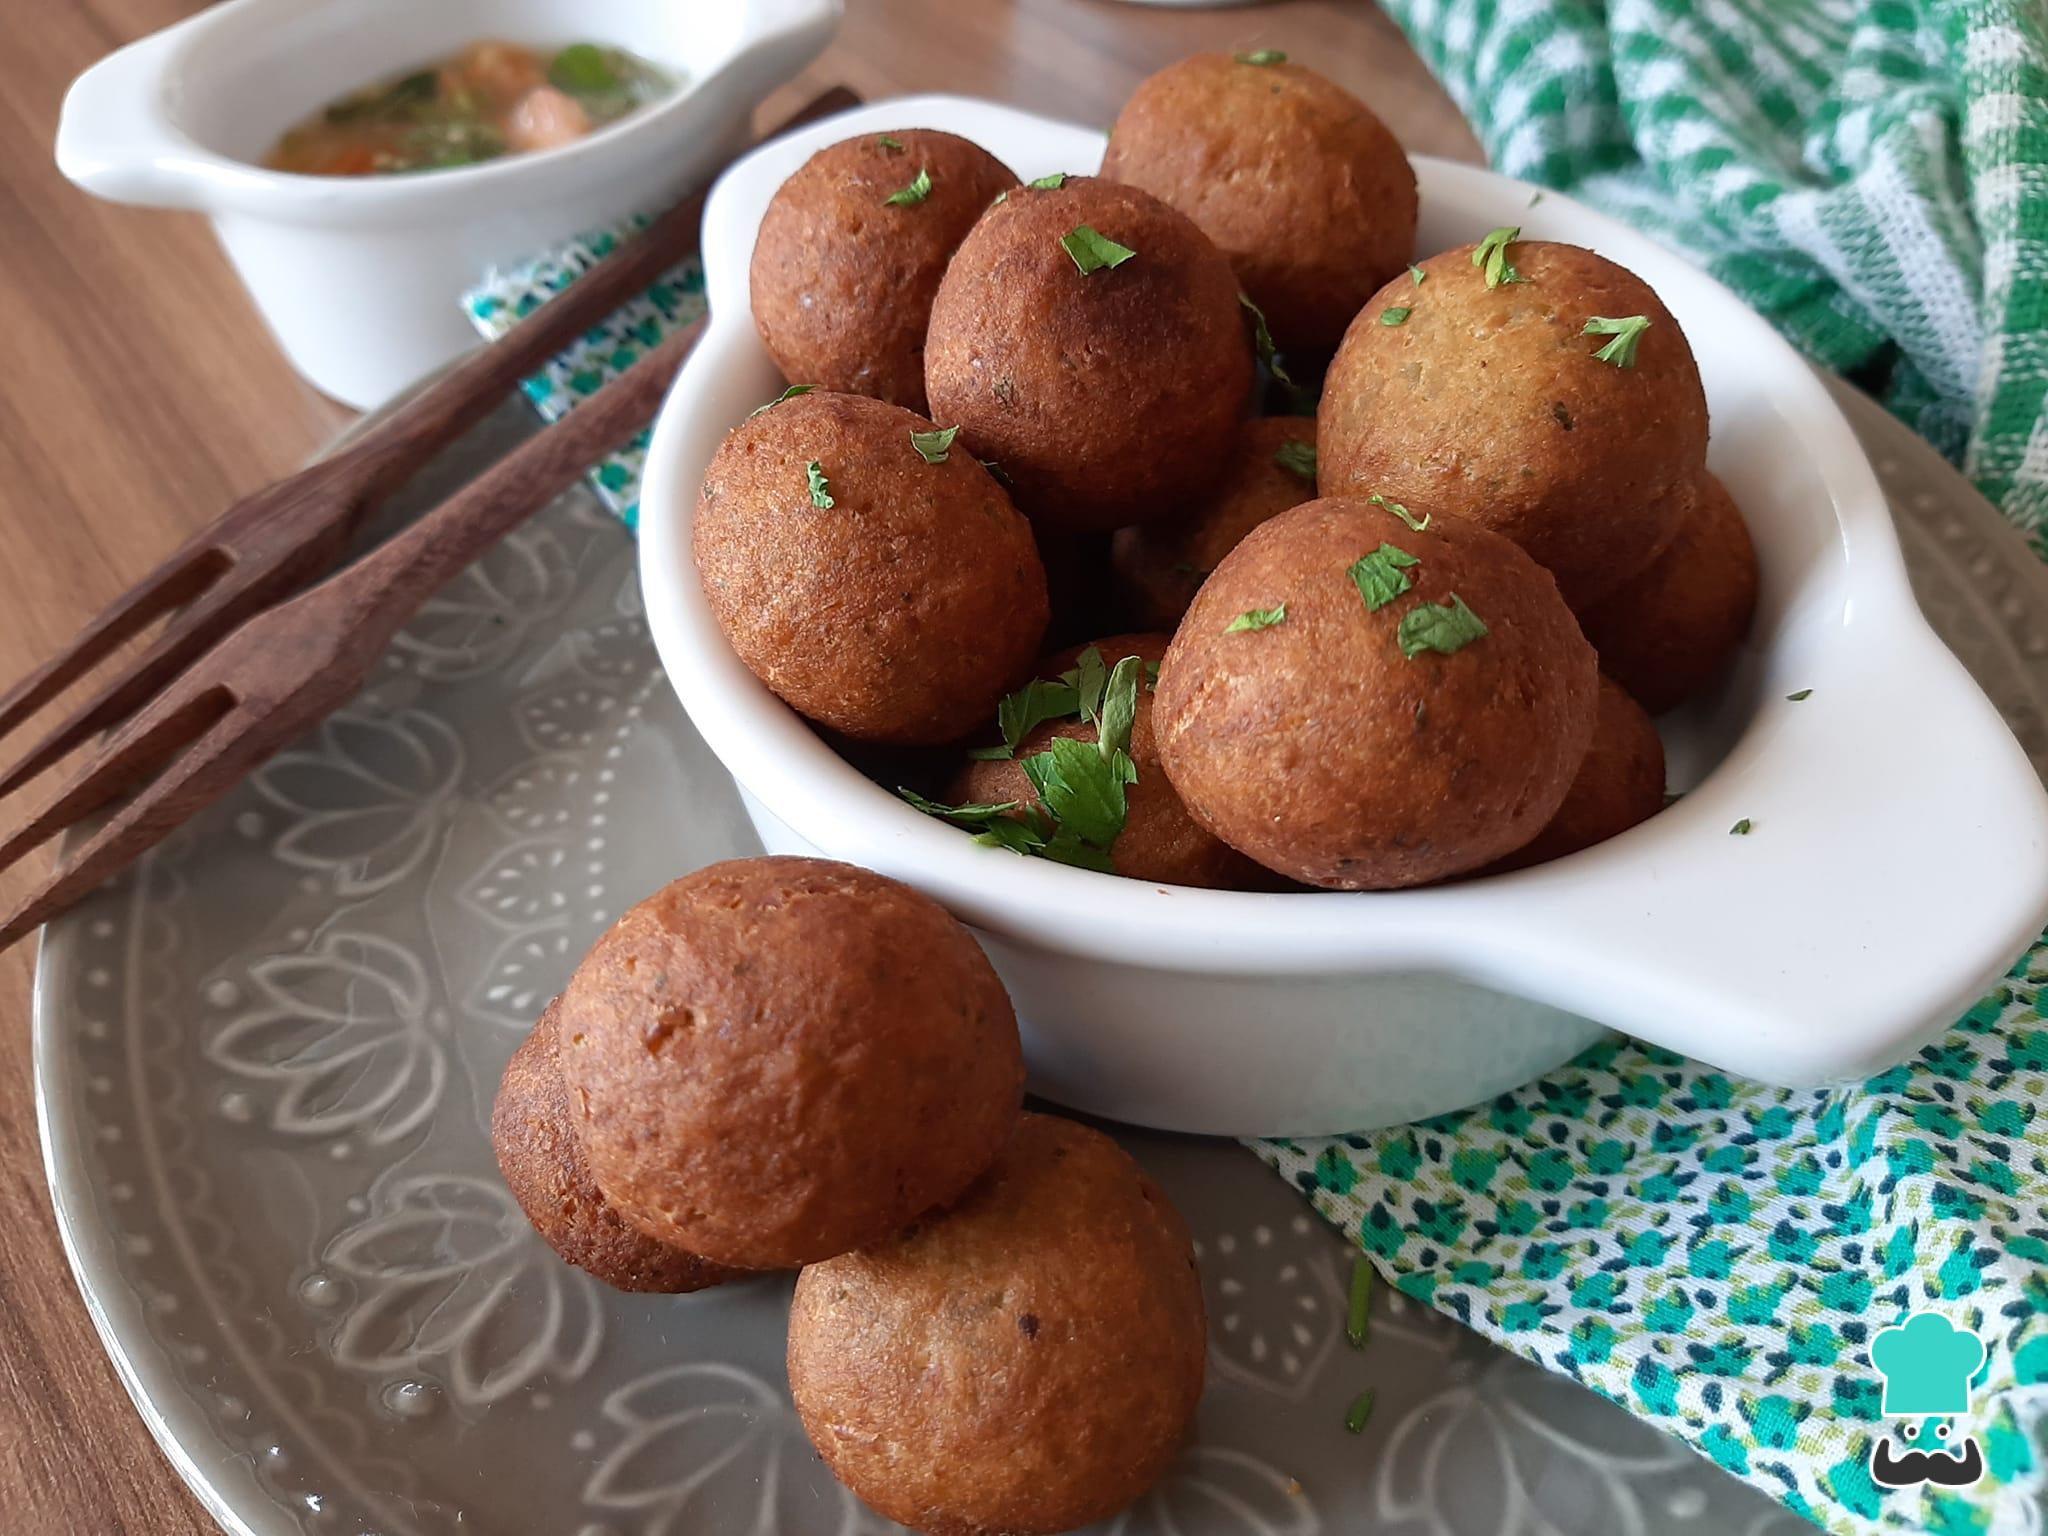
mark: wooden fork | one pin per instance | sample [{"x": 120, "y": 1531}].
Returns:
[
  {"x": 270, "y": 544},
  {"x": 292, "y": 665}
]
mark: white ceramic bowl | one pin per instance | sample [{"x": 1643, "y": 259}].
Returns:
[
  {"x": 360, "y": 277},
  {"x": 1899, "y": 858}
]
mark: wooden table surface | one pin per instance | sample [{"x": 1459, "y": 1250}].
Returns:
[{"x": 140, "y": 394}]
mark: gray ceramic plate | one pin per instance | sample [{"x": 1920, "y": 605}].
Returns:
[{"x": 265, "y": 1063}]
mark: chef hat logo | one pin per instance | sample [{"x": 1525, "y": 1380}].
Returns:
[{"x": 1927, "y": 1363}]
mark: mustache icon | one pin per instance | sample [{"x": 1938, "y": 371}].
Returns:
[{"x": 1943, "y": 1467}]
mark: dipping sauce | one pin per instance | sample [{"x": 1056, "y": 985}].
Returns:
[{"x": 491, "y": 99}]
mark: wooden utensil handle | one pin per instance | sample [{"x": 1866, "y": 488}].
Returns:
[
  {"x": 400, "y": 575},
  {"x": 388, "y": 453}
]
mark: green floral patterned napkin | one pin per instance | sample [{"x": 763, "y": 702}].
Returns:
[
  {"x": 1716, "y": 1256},
  {"x": 604, "y": 351},
  {"x": 1871, "y": 174}
]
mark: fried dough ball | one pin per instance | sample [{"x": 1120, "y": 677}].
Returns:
[
  {"x": 775, "y": 1060},
  {"x": 1489, "y": 403},
  {"x": 1668, "y": 632},
  {"x": 1365, "y": 748},
  {"x": 1620, "y": 783},
  {"x": 544, "y": 1167},
  {"x": 1300, "y": 186},
  {"x": 1109, "y": 396},
  {"x": 843, "y": 277},
  {"x": 1160, "y": 567},
  {"x": 885, "y": 596},
  {"x": 1028, "y": 1362},
  {"x": 1160, "y": 841}
]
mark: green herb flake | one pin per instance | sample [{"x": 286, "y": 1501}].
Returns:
[
  {"x": 821, "y": 488},
  {"x": 1050, "y": 183},
  {"x": 1262, "y": 57},
  {"x": 583, "y": 69},
  {"x": 1262, "y": 343},
  {"x": 1626, "y": 331},
  {"x": 1417, "y": 274},
  {"x": 1088, "y": 677},
  {"x": 1013, "y": 833},
  {"x": 1742, "y": 828},
  {"x": 1297, "y": 458},
  {"x": 1119, "y": 711},
  {"x": 1395, "y": 314},
  {"x": 1801, "y": 696},
  {"x": 1257, "y": 618},
  {"x": 932, "y": 446},
  {"x": 1491, "y": 255},
  {"x": 1359, "y": 1413},
  {"x": 1040, "y": 700},
  {"x": 1092, "y": 250},
  {"x": 1445, "y": 628},
  {"x": 788, "y": 394},
  {"x": 1382, "y": 576},
  {"x": 1358, "y": 1317},
  {"x": 919, "y": 189},
  {"x": 890, "y": 142},
  {"x": 1082, "y": 787},
  {"x": 966, "y": 815},
  {"x": 1419, "y": 524}
]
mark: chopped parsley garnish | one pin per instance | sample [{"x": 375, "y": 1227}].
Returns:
[
  {"x": 788, "y": 394},
  {"x": 890, "y": 142},
  {"x": 932, "y": 446},
  {"x": 1417, "y": 274},
  {"x": 1382, "y": 575},
  {"x": 1080, "y": 784},
  {"x": 997, "y": 473},
  {"x": 1627, "y": 332},
  {"x": 1445, "y": 628},
  {"x": 1741, "y": 828},
  {"x": 1092, "y": 250},
  {"x": 1358, "y": 1316},
  {"x": 1262, "y": 341},
  {"x": 1419, "y": 524},
  {"x": 1491, "y": 255},
  {"x": 1395, "y": 314},
  {"x": 1802, "y": 694},
  {"x": 1050, "y": 183},
  {"x": 1297, "y": 458},
  {"x": 919, "y": 189},
  {"x": 1359, "y": 1413},
  {"x": 965, "y": 815},
  {"x": 1262, "y": 57},
  {"x": 821, "y": 488},
  {"x": 1257, "y": 618}
]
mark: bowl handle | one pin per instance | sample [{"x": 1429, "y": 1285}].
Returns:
[
  {"x": 113, "y": 136},
  {"x": 1859, "y": 871}
]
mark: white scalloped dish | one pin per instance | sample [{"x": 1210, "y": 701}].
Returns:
[{"x": 1898, "y": 859}]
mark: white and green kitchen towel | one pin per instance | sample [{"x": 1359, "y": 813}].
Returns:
[{"x": 1717, "y": 1256}]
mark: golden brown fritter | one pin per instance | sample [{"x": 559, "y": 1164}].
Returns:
[
  {"x": 1160, "y": 567},
  {"x": 775, "y": 1060},
  {"x": 1489, "y": 403},
  {"x": 1028, "y": 1362},
  {"x": 1108, "y": 397},
  {"x": 1160, "y": 841},
  {"x": 1669, "y": 631},
  {"x": 543, "y": 1166},
  {"x": 843, "y": 278},
  {"x": 902, "y": 610},
  {"x": 1320, "y": 747},
  {"x": 1620, "y": 783},
  {"x": 1304, "y": 191}
]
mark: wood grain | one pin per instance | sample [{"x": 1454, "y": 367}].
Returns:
[{"x": 140, "y": 395}]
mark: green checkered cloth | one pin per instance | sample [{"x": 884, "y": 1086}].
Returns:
[{"x": 1871, "y": 174}]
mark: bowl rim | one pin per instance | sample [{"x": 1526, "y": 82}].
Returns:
[{"x": 1506, "y": 932}]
